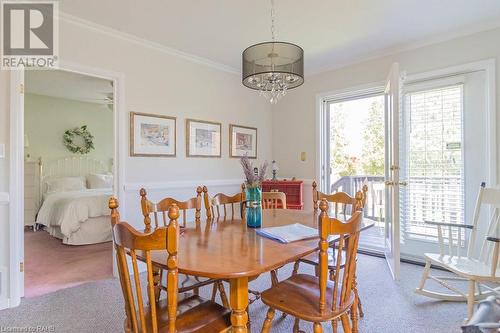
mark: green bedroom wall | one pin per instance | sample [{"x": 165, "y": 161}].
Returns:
[{"x": 47, "y": 118}]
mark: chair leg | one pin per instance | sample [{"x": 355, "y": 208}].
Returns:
[
  {"x": 356, "y": 295},
  {"x": 332, "y": 275},
  {"x": 214, "y": 292},
  {"x": 425, "y": 274},
  {"x": 470, "y": 299},
  {"x": 266, "y": 326},
  {"x": 296, "y": 268},
  {"x": 317, "y": 328},
  {"x": 223, "y": 296},
  {"x": 274, "y": 277},
  {"x": 345, "y": 323},
  {"x": 249, "y": 322},
  {"x": 354, "y": 316},
  {"x": 296, "y": 328},
  {"x": 157, "y": 276},
  {"x": 335, "y": 323}
]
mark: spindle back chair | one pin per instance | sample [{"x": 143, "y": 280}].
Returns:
[
  {"x": 273, "y": 200},
  {"x": 160, "y": 209},
  {"x": 343, "y": 203},
  {"x": 479, "y": 265},
  {"x": 220, "y": 200},
  {"x": 166, "y": 315},
  {"x": 317, "y": 298}
]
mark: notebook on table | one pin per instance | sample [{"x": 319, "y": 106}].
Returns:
[{"x": 289, "y": 233}]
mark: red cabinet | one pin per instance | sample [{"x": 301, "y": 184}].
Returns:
[{"x": 292, "y": 188}]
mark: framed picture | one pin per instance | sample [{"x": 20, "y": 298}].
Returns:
[
  {"x": 242, "y": 141},
  {"x": 152, "y": 135},
  {"x": 203, "y": 138}
]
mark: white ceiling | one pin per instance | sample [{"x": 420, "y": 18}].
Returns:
[
  {"x": 68, "y": 85},
  {"x": 332, "y": 32}
]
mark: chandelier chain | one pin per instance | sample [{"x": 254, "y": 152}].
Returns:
[{"x": 273, "y": 13}]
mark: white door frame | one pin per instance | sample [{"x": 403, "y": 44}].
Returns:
[{"x": 16, "y": 186}]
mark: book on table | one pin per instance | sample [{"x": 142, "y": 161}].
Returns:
[{"x": 289, "y": 233}]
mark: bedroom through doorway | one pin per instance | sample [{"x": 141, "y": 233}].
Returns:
[{"x": 69, "y": 144}]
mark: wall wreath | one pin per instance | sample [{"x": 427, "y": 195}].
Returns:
[{"x": 78, "y": 140}]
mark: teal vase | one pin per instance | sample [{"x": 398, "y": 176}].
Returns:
[{"x": 254, "y": 208}]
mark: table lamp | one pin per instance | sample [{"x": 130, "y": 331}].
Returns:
[{"x": 275, "y": 168}]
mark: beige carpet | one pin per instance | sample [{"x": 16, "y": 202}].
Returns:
[
  {"x": 49, "y": 265},
  {"x": 390, "y": 307}
]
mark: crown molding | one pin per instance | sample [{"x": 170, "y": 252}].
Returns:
[
  {"x": 441, "y": 38},
  {"x": 99, "y": 28}
]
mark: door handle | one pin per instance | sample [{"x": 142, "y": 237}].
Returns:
[
  {"x": 389, "y": 183},
  {"x": 403, "y": 183}
]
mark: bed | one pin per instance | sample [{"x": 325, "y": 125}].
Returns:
[{"x": 74, "y": 200}]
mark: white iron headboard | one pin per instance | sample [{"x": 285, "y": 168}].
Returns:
[{"x": 69, "y": 167}]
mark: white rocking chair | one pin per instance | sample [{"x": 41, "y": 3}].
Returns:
[{"x": 476, "y": 269}]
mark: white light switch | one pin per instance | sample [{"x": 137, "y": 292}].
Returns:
[{"x": 2, "y": 150}]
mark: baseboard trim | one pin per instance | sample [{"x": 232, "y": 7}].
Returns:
[{"x": 406, "y": 260}]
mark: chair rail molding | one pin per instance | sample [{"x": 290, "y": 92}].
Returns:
[
  {"x": 4, "y": 198},
  {"x": 170, "y": 185}
]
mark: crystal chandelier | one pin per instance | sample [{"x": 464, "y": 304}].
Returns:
[{"x": 273, "y": 67}]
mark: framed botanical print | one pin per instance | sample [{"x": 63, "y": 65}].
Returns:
[
  {"x": 203, "y": 138},
  {"x": 152, "y": 135},
  {"x": 242, "y": 141}
]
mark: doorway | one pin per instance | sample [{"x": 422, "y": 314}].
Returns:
[
  {"x": 357, "y": 158},
  {"x": 17, "y": 163},
  {"x": 68, "y": 179},
  {"x": 422, "y": 144}
]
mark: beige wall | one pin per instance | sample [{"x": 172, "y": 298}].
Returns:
[
  {"x": 294, "y": 117},
  {"x": 47, "y": 118},
  {"x": 160, "y": 83}
]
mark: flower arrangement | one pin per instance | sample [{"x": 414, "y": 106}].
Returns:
[
  {"x": 79, "y": 148},
  {"x": 253, "y": 178}
]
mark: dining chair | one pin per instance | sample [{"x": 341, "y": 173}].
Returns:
[
  {"x": 273, "y": 200},
  {"x": 159, "y": 211},
  {"x": 161, "y": 208},
  {"x": 222, "y": 201},
  {"x": 318, "y": 299},
  {"x": 343, "y": 206},
  {"x": 172, "y": 314}
]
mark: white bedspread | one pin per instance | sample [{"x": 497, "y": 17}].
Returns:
[{"x": 67, "y": 210}]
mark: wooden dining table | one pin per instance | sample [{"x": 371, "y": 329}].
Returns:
[{"x": 227, "y": 249}]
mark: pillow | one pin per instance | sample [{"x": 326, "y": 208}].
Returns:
[
  {"x": 96, "y": 180},
  {"x": 65, "y": 184}
]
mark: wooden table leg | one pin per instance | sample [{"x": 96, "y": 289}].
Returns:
[{"x": 239, "y": 304}]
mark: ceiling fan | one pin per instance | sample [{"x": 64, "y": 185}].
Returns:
[{"x": 106, "y": 100}]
